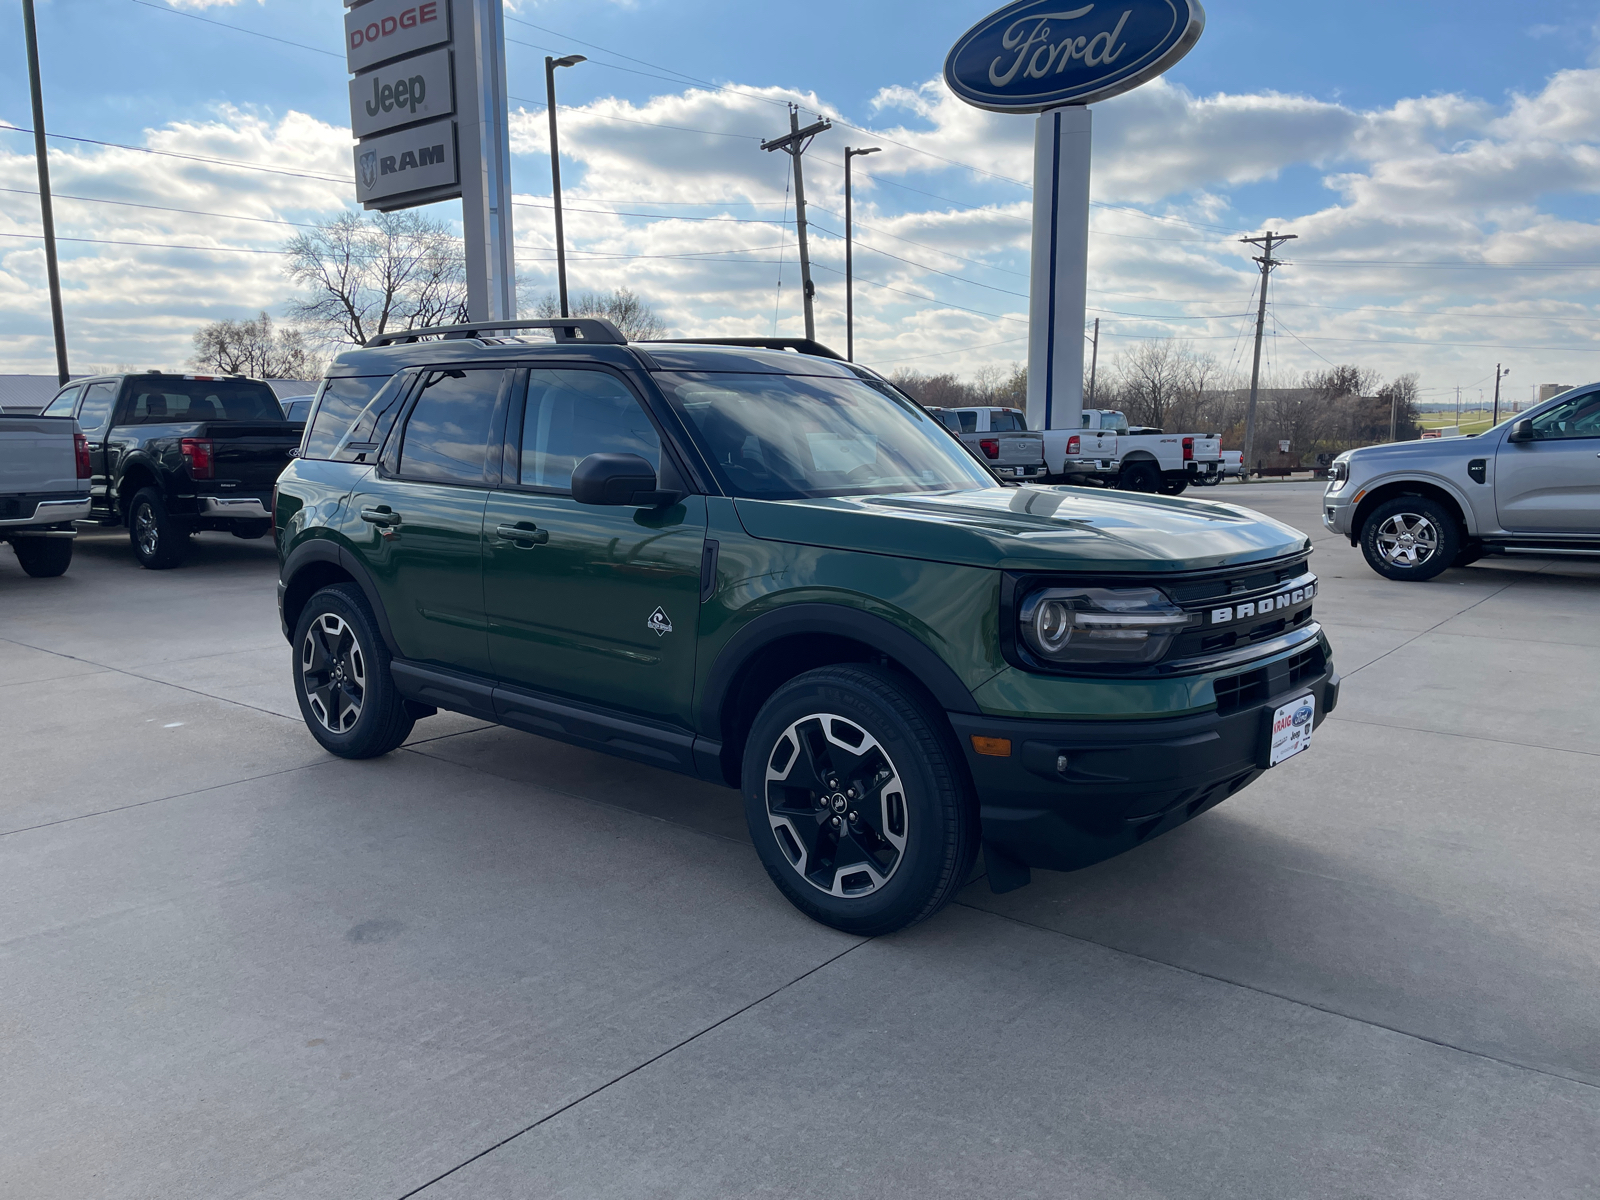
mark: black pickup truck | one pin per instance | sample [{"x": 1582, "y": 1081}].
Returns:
[{"x": 173, "y": 454}]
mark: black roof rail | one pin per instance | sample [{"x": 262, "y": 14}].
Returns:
[
  {"x": 567, "y": 329},
  {"x": 799, "y": 345}
]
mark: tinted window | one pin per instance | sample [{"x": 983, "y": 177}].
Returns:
[
  {"x": 340, "y": 402},
  {"x": 296, "y": 410},
  {"x": 786, "y": 436},
  {"x": 573, "y": 414},
  {"x": 96, "y": 411},
  {"x": 158, "y": 401},
  {"x": 1578, "y": 417},
  {"x": 969, "y": 421},
  {"x": 1006, "y": 421},
  {"x": 447, "y": 434},
  {"x": 61, "y": 406}
]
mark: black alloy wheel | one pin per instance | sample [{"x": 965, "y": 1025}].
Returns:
[
  {"x": 43, "y": 557},
  {"x": 1140, "y": 477},
  {"x": 342, "y": 680},
  {"x": 159, "y": 542},
  {"x": 857, "y": 800},
  {"x": 1410, "y": 538}
]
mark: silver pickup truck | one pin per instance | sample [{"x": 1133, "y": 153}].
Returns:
[
  {"x": 44, "y": 488},
  {"x": 1530, "y": 485},
  {"x": 999, "y": 437}
]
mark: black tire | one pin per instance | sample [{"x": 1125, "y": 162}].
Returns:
[
  {"x": 43, "y": 557},
  {"x": 1174, "y": 484},
  {"x": 887, "y": 742},
  {"x": 341, "y": 666},
  {"x": 1410, "y": 538},
  {"x": 159, "y": 542},
  {"x": 251, "y": 530},
  {"x": 1140, "y": 477},
  {"x": 1470, "y": 553}
]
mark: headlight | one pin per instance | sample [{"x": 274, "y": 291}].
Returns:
[
  {"x": 1101, "y": 625},
  {"x": 1339, "y": 472}
]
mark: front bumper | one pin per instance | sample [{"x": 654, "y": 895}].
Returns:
[
  {"x": 1124, "y": 782},
  {"x": 1338, "y": 511}
]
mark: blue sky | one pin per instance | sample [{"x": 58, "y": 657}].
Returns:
[{"x": 1383, "y": 133}]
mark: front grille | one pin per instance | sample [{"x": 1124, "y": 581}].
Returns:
[
  {"x": 1308, "y": 664},
  {"x": 1236, "y": 691}
]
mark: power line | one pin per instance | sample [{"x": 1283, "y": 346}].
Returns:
[
  {"x": 238, "y": 29},
  {"x": 191, "y": 212},
  {"x": 223, "y": 162}
]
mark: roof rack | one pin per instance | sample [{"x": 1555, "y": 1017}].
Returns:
[
  {"x": 799, "y": 345},
  {"x": 567, "y": 329}
]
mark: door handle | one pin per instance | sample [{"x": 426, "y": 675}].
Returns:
[
  {"x": 380, "y": 516},
  {"x": 525, "y": 534}
]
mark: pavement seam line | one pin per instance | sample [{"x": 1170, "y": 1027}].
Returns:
[
  {"x": 552, "y": 1115},
  {"x": 149, "y": 678},
  {"x": 1295, "y": 1000},
  {"x": 1471, "y": 737},
  {"x": 1431, "y": 628}
]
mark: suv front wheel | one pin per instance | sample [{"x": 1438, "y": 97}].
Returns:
[
  {"x": 1410, "y": 538},
  {"x": 858, "y": 807},
  {"x": 341, "y": 677}
]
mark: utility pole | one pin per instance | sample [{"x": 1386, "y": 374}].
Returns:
[
  {"x": 1498, "y": 376},
  {"x": 794, "y": 144},
  {"x": 46, "y": 212},
  {"x": 1394, "y": 413},
  {"x": 1267, "y": 263},
  {"x": 1094, "y": 361},
  {"x": 550, "y": 65},
  {"x": 849, "y": 262},
  {"x": 1458, "y": 408}
]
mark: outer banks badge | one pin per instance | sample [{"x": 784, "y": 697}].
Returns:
[{"x": 659, "y": 623}]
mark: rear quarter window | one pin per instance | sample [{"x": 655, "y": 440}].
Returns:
[{"x": 339, "y": 404}]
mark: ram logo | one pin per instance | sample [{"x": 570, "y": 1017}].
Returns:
[{"x": 369, "y": 168}]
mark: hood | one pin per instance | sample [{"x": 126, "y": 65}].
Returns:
[
  {"x": 1031, "y": 528},
  {"x": 1423, "y": 450}
]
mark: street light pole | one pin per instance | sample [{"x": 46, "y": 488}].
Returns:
[
  {"x": 849, "y": 262},
  {"x": 46, "y": 212},
  {"x": 550, "y": 65},
  {"x": 1498, "y": 376}
]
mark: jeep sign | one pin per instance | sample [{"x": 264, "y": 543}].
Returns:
[
  {"x": 383, "y": 29},
  {"x": 409, "y": 161},
  {"x": 401, "y": 93}
]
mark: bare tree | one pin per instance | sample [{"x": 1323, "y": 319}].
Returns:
[
  {"x": 254, "y": 348},
  {"x": 379, "y": 274},
  {"x": 623, "y": 308},
  {"x": 1161, "y": 383}
]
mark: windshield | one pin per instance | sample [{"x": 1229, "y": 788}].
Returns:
[{"x": 783, "y": 437}]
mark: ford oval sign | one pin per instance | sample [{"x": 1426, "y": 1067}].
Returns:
[{"x": 1038, "y": 54}]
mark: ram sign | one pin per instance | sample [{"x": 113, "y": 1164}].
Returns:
[{"x": 412, "y": 160}]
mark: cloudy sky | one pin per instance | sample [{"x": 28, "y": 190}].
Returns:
[{"x": 1438, "y": 160}]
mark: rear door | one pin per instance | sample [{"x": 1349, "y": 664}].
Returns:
[
  {"x": 597, "y": 604},
  {"x": 1552, "y": 483},
  {"x": 418, "y": 519}
]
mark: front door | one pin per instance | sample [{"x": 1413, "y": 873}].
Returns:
[
  {"x": 94, "y": 422},
  {"x": 592, "y": 603},
  {"x": 1552, "y": 483},
  {"x": 417, "y": 520}
]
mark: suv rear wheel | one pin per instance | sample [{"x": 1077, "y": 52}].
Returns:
[
  {"x": 158, "y": 541},
  {"x": 341, "y": 677},
  {"x": 858, "y": 807},
  {"x": 1410, "y": 538}
]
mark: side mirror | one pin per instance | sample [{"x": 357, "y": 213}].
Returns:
[
  {"x": 1522, "y": 431},
  {"x": 619, "y": 479}
]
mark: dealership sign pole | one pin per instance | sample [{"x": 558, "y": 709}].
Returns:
[
  {"x": 1055, "y": 59},
  {"x": 428, "y": 103}
]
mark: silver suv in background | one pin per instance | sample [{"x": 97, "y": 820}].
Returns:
[{"x": 1530, "y": 485}]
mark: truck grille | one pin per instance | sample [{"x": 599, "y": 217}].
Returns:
[{"x": 1236, "y": 691}]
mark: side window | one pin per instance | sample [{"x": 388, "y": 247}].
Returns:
[
  {"x": 340, "y": 402},
  {"x": 98, "y": 399},
  {"x": 969, "y": 422},
  {"x": 447, "y": 434},
  {"x": 1575, "y": 418},
  {"x": 573, "y": 414},
  {"x": 61, "y": 406}
]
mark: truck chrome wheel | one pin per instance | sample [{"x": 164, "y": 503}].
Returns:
[
  {"x": 1407, "y": 539},
  {"x": 333, "y": 672},
  {"x": 836, "y": 805},
  {"x": 145, "y": 530}
]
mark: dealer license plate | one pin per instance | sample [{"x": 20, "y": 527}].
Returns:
[{"x": 1291, "y": 729}]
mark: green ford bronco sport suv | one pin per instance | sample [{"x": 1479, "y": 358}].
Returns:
[{"x": 757, "y": 564}]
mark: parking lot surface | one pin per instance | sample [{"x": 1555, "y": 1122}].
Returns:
[{"x": 490, "y": 965}]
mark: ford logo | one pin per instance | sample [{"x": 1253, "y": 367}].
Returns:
[
  {"x": 1303, "y": 716},
  {"x": 1039, "y": 54}
]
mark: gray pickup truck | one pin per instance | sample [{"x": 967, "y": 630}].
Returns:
[
  {"x": 44, "y": 488},
  {"x": 1530, "y": 485},
  {"x": 999, "y": 437}
]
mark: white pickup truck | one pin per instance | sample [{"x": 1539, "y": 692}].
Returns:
[
  {"x": 44, "y": 488},
  {"x": 1105, "y": 451}
]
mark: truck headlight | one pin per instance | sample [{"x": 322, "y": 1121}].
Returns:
[
  {"x": 1338, "y": 473},
  {"x": 1101, "y": 625}
]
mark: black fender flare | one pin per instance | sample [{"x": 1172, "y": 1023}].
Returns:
[
  {"x": 318, "y": 550},
  {"x": 140, "y": 462},
  {"x": 915, "y": 655}
]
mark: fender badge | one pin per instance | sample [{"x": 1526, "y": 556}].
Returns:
[{"x": 658, "y": 623}]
